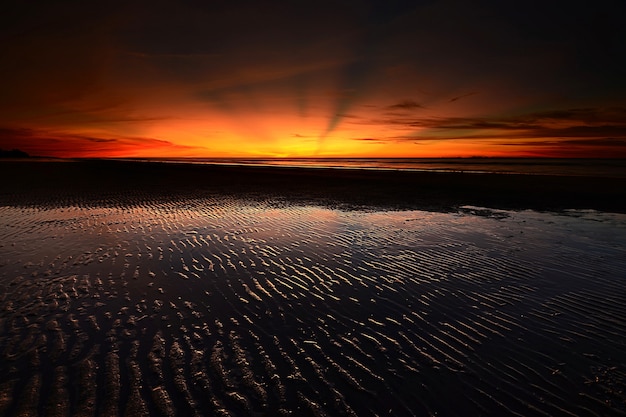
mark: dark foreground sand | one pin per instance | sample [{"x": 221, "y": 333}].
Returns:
[
  {"x": 49, "y": 182},
  {"x": 150, "y": 289}
]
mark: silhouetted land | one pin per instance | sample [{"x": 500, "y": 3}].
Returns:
[
  {"x": 13, "y": 153},
  {"x": 105, "y": 181}
]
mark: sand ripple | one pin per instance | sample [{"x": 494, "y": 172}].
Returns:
[{"x": 221, "y": 306}]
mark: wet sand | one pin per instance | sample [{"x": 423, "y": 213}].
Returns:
[
  {"x": 134, "y": 289},
  {"x": 99, "y": 180}
]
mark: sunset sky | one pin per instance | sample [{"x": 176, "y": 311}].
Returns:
[{"x": 325, "y": 78}]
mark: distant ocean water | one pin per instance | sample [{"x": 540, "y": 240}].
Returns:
[{"x": 613, "y": 168}]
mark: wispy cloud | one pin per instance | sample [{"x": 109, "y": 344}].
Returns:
[
  {"x": 405, "y": 105},
  {"x": 53, "y": 143},
  {"x": 369, "y": 139},
  {"x": 565, "y": 132},
  {"x": 453, "y": 99},
  {"x": 599, "y": 142},
  {"x": 592, "y": 123}
]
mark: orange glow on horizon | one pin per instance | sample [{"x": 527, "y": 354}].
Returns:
[
  {"x": 280, "y": 123},
  {"x": 250, "y": 136},
  {"x": 263, "y": 114},
  {"x": 193, "y": 144}
]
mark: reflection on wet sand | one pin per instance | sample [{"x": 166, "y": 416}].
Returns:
[{"x": 223, "y": 306}]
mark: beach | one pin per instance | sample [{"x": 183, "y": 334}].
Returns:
[
  {"x": 59, "y": 182},
  {"x": 147, "y": 288}
]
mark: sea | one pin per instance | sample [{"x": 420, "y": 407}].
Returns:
[{"x": 607, "y": 168}]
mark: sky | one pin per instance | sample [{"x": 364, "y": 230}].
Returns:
[{"x": 342, "y": 78}]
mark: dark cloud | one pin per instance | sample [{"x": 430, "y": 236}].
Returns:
[
  {"x": 598, "y": 142},
  {"x": 406, "y": 105},
  {"x": 576, "y": 132},
  {"x": 586, "y": 115},
  {"x": 568, "y": 123},
  {"x": 50, "y": 143},
  {"x": 453, "y": 99},
  {"x": 97, "y": 140},
  {"x": 593, "y": 142},
  {"x": 573, "y": 148}
]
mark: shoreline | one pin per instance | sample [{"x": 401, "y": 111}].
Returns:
[
  {"x": 47, "y": 182},
  {"x": 576, "y": 167}
]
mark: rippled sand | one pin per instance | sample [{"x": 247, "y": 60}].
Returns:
[{"x": 223, "y": 306}]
